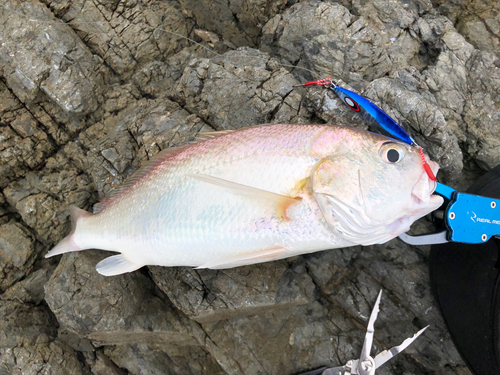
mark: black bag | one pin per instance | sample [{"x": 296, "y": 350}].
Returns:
[{"x": 465, "y": 280}]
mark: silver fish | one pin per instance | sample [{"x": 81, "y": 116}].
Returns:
[{"x": 255, "y": 195}]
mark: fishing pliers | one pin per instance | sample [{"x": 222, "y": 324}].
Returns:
[
  {"x": 467, "y": 218},
  {"x": 366, "y": 364}
]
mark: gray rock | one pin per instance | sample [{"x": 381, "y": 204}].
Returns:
[
  {"x": 53, "y": 358},
  {"x": 479, "y": 23},
  {"x": 79, "y": 302},
  {"x": 118, "y": 145},
  {"x": 408, "y": 103},
  {"x": 101, "y": 365},
  {"x": 28, "y": 344},
  {"x": 325, "y": 38},
  {"x": 240, "y": 22},
  {"x": 30, "y": 289},
  {"x": 241, "y": 88},
  {"x": 45, "y": 57},
  {"x": 482, "y": 110},
  {"x": 465, "y": 83},
  {"x": 25, "y": 325},
  {"x": 18, "y": 251},
  {"x": 207, "y": 295},
  {"x": 42, "y": 199},
  {"x": 3, "y": 210},
  {"x": 127, "y": 35},
  {"x": 23, "y": 144},
  {"x": 157, "y": 76},
  {"x": 350, "y": 279},
  {"x": 146, "y": 359},
  {"x": 123, "y": 311}
]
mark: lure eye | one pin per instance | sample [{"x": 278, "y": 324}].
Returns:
[{"x": 392, "y": 153}]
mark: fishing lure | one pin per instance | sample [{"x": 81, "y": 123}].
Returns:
[{"x": 375, "y": 116}]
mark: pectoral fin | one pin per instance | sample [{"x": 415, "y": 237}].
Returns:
[
  {"x": 252, "y": 257},
  {"x": 116, "y": 265},
  {"x": 281, "y": 202}
]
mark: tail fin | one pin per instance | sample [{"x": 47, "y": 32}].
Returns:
[{"x": 68, "y": 244}]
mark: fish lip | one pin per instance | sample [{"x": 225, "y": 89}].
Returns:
[{"x": 420, "y": 199}]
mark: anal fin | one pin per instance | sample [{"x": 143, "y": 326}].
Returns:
[
  {"x": 251, "y": 257},
  {"x": 116, "y": 265}
]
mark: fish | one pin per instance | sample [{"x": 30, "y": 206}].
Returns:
[{"x": 257, "y": 194}]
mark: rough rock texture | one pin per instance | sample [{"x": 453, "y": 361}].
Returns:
[
  {"x": 238, "y": 89},
  {"x": 90, "y": 90},
  {"x": 238, "y": 21},
  {"x": 226, "y": 294}
]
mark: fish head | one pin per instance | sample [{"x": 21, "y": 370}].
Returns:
[{"x": 372, "y": 188}]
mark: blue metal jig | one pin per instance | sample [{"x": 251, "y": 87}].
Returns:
[
  {"x": 369, "y": 111},
  {"x": 373, "y": 115}
]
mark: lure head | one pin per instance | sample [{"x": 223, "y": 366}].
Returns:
[{"x": 371, "y": 188}]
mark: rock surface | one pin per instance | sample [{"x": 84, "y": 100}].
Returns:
[{"x": 90, "y": 90}]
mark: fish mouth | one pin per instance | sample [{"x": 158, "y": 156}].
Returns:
[
  {"x": 422, "y": 191},
  {"x": 423, "y": 201}
]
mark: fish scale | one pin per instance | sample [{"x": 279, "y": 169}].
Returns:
[{"x": 255, "y": 194}]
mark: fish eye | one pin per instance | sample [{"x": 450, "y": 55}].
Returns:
[{"x": 392, "y": 153}]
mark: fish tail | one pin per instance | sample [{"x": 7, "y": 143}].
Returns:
[{"x": 68, "y": 244}]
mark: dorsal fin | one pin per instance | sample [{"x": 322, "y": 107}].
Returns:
[
  {"x": 140, "y": 173},
  {"x": 209, "y": 135},
  {"x": 215, "y": 134}
]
